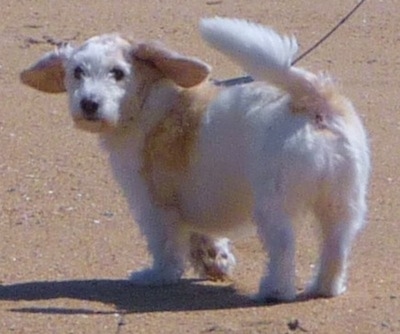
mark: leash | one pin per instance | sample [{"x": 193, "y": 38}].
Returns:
[{"x": 248, "y": 78}]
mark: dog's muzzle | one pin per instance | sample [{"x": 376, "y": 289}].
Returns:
[{"x": 89, "y": 109}]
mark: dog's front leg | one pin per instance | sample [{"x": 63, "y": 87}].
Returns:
[
  {"x": 167, "y": 243},
  {"x": 167, "y": 240}
]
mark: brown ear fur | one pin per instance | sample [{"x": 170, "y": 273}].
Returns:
[
  {"x": 46, "y": 75},
  {"x": 184, "y": 71}
]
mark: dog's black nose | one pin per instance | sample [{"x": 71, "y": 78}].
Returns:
[{"x": 89, "y": 108}]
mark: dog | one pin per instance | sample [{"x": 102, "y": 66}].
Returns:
[{"x": 199, "y": 163}]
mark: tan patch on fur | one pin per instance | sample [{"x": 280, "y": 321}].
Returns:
[
  {"x": 337, "y": 102},
  {"x": 337, "y": 105},
  {"x": 329, "y": 102},
  {"x": 169, "y": 147},
  {"x": 184, "y": 71},
  {"x": 340, "y": 105}
]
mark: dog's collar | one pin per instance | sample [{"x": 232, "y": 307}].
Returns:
[{"x": 233, "y": 82}]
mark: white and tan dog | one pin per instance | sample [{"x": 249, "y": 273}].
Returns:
[{"x": 199, "y": 162}]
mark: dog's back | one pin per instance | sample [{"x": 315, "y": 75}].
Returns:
[
  {"x": 332, "y": 126},
  {"x": 267, "y": 56},
  {"x": 327, "y": 118}
]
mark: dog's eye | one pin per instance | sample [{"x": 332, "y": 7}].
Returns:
[
  {"x": 118, "y": 74},
  {"x": 78, "y": 73}
]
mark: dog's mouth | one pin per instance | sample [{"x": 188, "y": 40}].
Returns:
[
  {"x": 93, "y": 124},
  {"x": 91, "y": 117}
]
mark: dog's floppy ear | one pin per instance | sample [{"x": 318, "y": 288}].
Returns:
[
  {"x": 47, "y": 74},
  {"x": 184, "y": 71}
]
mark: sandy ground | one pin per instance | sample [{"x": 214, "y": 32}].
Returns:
[{"x": 66, "y": 240}]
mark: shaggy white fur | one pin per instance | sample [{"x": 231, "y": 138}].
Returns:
[{"x": 199, "y": 162}]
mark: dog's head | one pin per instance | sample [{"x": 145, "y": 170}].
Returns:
[{"x": 103, "y": 76}]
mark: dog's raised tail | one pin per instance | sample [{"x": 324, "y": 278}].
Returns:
[{"x": 261, "y": 52}]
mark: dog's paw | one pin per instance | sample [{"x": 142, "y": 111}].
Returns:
[
  {"x": 155, "y": 277},
  {"x": 275, "y": 292},
  {"x": 319, "y": 289},
  {"x": 273, "y": 297},
  {"x": 212, "y": 258}
]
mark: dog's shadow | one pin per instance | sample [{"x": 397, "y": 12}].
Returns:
[{"x": 188, "y": 295}]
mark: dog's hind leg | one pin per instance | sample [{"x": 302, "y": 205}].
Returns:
[
  {"x": 277, "y": 235},
  {"x": 341, "y": 217}
]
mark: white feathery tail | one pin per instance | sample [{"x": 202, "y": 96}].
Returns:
[{"x": 261, "y": 52}]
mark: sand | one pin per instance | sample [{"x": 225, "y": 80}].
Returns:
[{"x": 67, "y": 242}]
